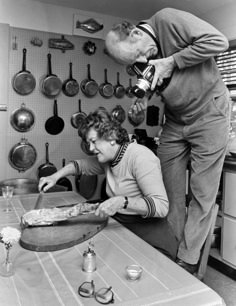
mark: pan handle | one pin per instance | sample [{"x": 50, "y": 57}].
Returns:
[
  {"x": 70, "y": 75},
  {"x": 49, "y": 64},
  {"x": 47, "y": 155},
  {"x": 79, "y": 101},
  {"x": 118, "y": 78},
  {"x": 105, "y": 75},
  {"x": 55, "y": 110},
  {"x": 24, "y": 60},
  {"x": 89, "y": 72}
]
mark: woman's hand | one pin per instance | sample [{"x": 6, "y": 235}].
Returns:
[
  {"x": 46, "y": 183},
  {"x": 110, "y": 207}
]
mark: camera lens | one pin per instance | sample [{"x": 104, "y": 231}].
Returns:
[
  {"x": 138, "y": 92},
  {"x": 140, "y": 88}
]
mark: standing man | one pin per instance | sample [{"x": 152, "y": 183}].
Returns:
[{"x": 197, "y": 109}]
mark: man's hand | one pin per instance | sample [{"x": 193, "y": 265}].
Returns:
[{"x": 163, "y": 69}]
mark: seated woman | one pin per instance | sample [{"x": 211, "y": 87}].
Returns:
[{"x": 136, "y": 194}]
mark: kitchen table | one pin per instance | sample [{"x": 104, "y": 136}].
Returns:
[{"x": 53, "y": 278}]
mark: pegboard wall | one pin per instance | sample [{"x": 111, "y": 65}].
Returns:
[{"x": 67, "y": 143}]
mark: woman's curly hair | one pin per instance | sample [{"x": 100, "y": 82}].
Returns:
[{"x": 105, "y": 124}]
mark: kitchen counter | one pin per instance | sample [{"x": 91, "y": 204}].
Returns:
[{"x": 53, "y": 278}]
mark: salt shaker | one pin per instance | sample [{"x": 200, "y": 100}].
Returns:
[{"x": 89, "y": 260}]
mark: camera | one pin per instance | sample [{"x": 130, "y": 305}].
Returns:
[{"x": 145, "y": 73}]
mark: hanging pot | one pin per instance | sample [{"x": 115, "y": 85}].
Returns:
[
  {"x": 22, "y": 119},
  {"x": 55, "y": 124},
  {"x": 78, "y": 117},
  {"x": 136, "y": 118},
  {"x": 70, "y": 87},
  {"x": 86, "y": 185},
  {"x": 119, "y": 113},
  {"x": 51, "y": 85},
  {"x": 106, "y": 89},
  {"x": 130, "y": 70},
  {"x": 88, "y": 86},
  {"x": 22, "y": 156},
  {"x": 47, "y": 168},
  {"x": 128, "y": 91},
  {"x": 85, "y": 147},
  {"x": 24, "y": 82},
  {"x": 119, "y": 90},
  {"x": 21, "y": 185},
  {"x": 64, "y": 181}
]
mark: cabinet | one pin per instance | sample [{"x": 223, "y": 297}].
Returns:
[{"x": 228, "y": 242}]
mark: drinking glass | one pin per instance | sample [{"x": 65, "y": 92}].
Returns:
[{"x": 7, "y": 193}]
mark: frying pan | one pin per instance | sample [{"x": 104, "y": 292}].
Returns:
[
  {"x": 119, "y": 90},
  {"x": 136, "y": 118},
  {"x": 89, "y": 86},
  {"x": 70, "y": 87},
  {"x": 106, "y": 89},
  {"x": 47, "y": 168},
  {"x": 64, "y": 181},
  {"x": 22, "y": 119},
  {"x": 130, "y": 70},
  {"x": 24, "y": 82},
  {"x": 22, "y": 156},
  {"x": 51, "y": 85},
  {"x": 128, "y": 91},
  {"x": 86, "y": 185},
  {"x": 55, "y": 124},
  {"x": 78, "y": 118},
  {"x": 119, "y": 113}
]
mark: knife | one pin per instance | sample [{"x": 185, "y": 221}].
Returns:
[{"x": 39, "y": 200}]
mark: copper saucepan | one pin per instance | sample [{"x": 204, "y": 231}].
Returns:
[
  {"x": 22, "y": 119},
  {"x": 106, "y": 89},
  {"x": 70, "y": 87},
  {"x": 22, "y": 156},
  {"x": 51, "y": 85},
  {"x": 88, "y": 86},
  {"x": 119, "y": 90},
  {"x": 78, "y": 117},
  {"x": 24, "y": 82}
]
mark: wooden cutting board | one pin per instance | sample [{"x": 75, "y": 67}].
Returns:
[{"x": 63, "y": 235}]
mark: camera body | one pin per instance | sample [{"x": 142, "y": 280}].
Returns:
[{"x": 145, "y": 73}]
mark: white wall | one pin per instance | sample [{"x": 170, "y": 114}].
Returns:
[
  {"x": 224, "y": 19},
  {"x": 35, "y": 15},
  {"x": 50, "y": 18}
]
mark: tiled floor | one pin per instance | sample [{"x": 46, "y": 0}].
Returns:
[{"x": 223, "y": 285}]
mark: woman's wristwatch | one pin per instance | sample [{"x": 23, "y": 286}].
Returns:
[{"x": 126, "y": 202}]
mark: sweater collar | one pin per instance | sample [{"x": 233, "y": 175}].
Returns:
[
  {"x": 148, "y": 30},
  {"x": 119, "y": 154}
]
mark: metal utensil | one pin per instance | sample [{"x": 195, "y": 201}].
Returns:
[{"x": 39, "y": 200}]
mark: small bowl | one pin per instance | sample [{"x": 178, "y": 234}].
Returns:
[{"x": 134, "y": 272}]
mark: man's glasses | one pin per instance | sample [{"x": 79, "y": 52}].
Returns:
[{"x": 102, "y": 296}]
